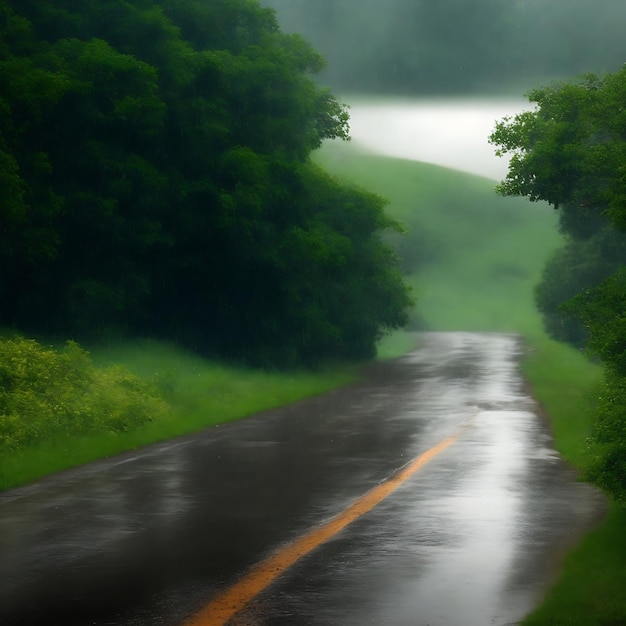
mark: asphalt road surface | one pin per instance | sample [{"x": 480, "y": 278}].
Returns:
[{"x": 469, "y": 536}]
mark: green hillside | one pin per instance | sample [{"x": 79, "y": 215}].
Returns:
[{"x": 472, "y": 257}]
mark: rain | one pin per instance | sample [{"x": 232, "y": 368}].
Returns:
[{"x": 310, "y": 313}]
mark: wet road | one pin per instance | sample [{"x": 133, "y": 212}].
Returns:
[{"x": 471, "y": 539}]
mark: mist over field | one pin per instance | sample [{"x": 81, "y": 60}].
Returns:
[{"x": 457, "y": 46}]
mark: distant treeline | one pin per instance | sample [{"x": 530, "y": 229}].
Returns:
[
  {"x": 155, "y": 180},
  {"x": 454, "y": 46}
]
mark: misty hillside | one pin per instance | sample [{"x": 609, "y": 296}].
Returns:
[{"x": 473, "y": 258}]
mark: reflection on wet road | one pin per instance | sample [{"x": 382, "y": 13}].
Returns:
[{"x": 470, "y": 539}]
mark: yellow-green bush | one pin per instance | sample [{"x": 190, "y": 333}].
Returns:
[{"x": 46, "y": 392}]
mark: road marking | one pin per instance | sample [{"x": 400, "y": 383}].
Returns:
[{"x": 232, "y": 600}]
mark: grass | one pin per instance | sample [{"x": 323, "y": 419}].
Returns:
[
  {"x": 201, "y": 394},
  {"x": 590, "y": 590},
  {"x": 206, "y": 393},
  {"x": 564, "y": 382},
  {"x": 396, "y": 344},
  {"x": 472, "y": 257}
]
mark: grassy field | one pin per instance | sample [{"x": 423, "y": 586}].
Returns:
[{"x": 480, "y": 258}]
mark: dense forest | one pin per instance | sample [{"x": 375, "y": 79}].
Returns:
[
  {"x": 155, "y": 179},
  {"x": 457, "y": 46},
  {"x": 571, "y": 152}
]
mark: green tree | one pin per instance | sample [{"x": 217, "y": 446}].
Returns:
[
  {"x": 579, "y": 265},
  {"x": 163, "y": 150},
  {"x": 571, "y": 152},
  {"x": 28, "y": 204}
]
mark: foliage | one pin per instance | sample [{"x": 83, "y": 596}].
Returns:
[
  {"x": 46, "y": 393},
  {"x": 603, "y": 310},
  {"x": 580, "y": 265},
  {"x": 156, "y": 179},
  {"x": 571, "y": 153}
]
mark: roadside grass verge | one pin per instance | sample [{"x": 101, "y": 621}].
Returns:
[
  {"x": 205, "y": 393},
  {"x": 591, "y": 588},
  {"x": 194, "y": 394},
  {"x": 566, "y": 384}
]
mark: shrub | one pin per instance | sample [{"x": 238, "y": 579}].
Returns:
[
  {"x": 46, "y": 393},
  {"x": 608, "y": 468}
]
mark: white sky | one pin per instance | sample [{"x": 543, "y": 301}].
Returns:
[{"x": 453, "y": 132}]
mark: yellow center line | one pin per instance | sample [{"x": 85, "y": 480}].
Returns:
[{"x": 233, "y": 599}]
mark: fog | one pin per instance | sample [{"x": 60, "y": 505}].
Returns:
[
  {"x": 452, "y": 132},
  {"x": 457, "y": 46}
]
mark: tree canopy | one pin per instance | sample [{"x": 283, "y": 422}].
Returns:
[
  {"x": 570, "y": 151},
  {"x": 156, "y": 179}
]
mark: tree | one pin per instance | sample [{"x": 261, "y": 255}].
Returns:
[
  {"x": 162, "y": 150},
  {"x": 571, "y": 152},
  {"x": 28, "y": 204},
  {"x": 581, "y": 264}
]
